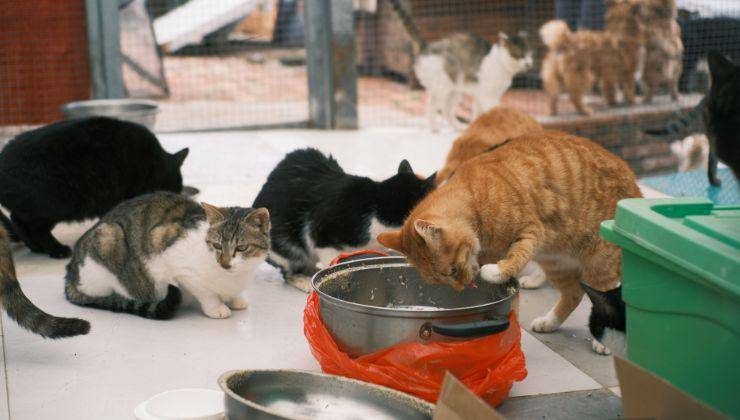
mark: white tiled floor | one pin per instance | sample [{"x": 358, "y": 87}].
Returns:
[{"x": 125, "y": 359}]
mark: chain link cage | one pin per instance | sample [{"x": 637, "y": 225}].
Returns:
[{"x": 226, "y": 64}]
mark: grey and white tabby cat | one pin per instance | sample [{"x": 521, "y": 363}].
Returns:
[
  {"x": 463, "y": 63},
  {"x": 142, "y": 253}
]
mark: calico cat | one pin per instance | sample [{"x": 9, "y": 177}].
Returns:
[
  {"x": 717, "y": 115},
  {"x": 318, "y": 211},
  {"x": 608, "y": 321},
  {"x": 22, "y": 310},
  {"x": 540, "y": 196},
  {"x": 142, "y": 253},
  {"x": 79, "y": 169},
  {"x": 463, "y": 63}
]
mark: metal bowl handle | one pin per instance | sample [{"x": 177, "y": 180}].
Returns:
[{"x": 472, "y": 329}]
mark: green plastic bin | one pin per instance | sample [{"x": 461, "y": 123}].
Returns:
[{"x": 681, "y": 285}]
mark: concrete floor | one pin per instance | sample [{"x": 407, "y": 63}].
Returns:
[{"x": 125, "y": 360}]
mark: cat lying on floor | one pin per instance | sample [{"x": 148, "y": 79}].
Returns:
[
  {"x": 144, "y": 253},
  {"x": 318, "y": 211},
  {"x": 84, "y": 167}
]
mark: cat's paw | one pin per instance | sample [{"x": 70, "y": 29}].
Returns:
[
  {"x": 532, "y": 282},
  {"x": 492, "y": 274},
  {"x": 600, "y": 348},
  {"x": 300, "y": 282},
  {"x": 545, "y": 324},
  {"x": 532, "y": 276},
  {"x": 238, "y": 303},
  {"x": 217, "y": 312}
]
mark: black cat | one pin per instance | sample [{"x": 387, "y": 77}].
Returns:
[
  {"x": 607, "y": 322},
  {"x": 79, "y": 169},
  {"x": 318, "y": 211},
  {"x": 717, "y": 115}
]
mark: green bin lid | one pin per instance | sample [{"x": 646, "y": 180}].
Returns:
[{"x": 691, "y": 234}]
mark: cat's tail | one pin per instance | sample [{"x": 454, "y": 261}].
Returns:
[
  {"x": 23, "y": 311},
  {"x": 164, "y": 309},
  {"x": 408, "y": 23},
  {"x": 555, "y": 34},
  {"x": 684, "y": 125}
]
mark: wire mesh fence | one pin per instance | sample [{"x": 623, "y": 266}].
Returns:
[
  {"x": 227, "y": 63},
  {"x": 43, "y": 61},
  {"x": 216, "y": 64}
]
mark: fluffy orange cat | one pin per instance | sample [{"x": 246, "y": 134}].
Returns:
[
  {"x": 540, "y": 196},
  {"x": 494, "y": 127}
]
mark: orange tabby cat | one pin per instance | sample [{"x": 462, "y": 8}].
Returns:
[
  {"x": 540, "y": 196},
  {"x": 494, "y": 127}
]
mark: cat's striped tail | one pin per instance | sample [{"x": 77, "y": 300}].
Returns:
[
  {"x": 408, "y": 23},
  {"x": 23, "y": 311},
  {"x": 164, "y": 309},
  {"x": 684, "y": 125}
]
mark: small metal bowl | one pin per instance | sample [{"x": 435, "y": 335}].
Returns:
[
  {"x": 302, "y": 395},
  {"x": 140, "y": 111}
]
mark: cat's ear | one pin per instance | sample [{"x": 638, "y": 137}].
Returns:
[
  {"x": 594, "y": 295},
  {"x": 260, "y": 218},
  {"x": 502, "y": 37},
  {"x": 719, "y": 66},
  {"x": 391, "y": 240},
  {"x": 428, "y": 231},
  {"x": 523, "y": 34},
  {"x": 213, "y": 213},
  {"x": 405, "y": 167},
  {"x": 608, "y": 300},
  {"x": 431, "y": 181},
  {"x": 180, "y": 156}
]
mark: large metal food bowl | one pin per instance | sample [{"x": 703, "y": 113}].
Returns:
[
  {"x": 295, "y": 394},
  {"x": 371, "y": 304},
  {"x": 140, "y": 111}
]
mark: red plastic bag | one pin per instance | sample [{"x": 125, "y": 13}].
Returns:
[{"x": 488, "y": 366}]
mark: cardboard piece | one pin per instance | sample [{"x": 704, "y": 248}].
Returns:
[
  {"x": 647, "y": 396},
  {"x": 457, "y": 402}
]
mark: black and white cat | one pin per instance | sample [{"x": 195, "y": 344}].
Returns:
[
  {"x": 318, "y": 211},
  {"x": 79, "y": 169},
  {"x": 607, "y": 322}
]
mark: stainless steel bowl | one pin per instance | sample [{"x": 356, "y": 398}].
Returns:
[
  {"x": 140, "y": 111},
  {"x": 295, "y": 394},
  {"x": 371, "y": 304}
]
